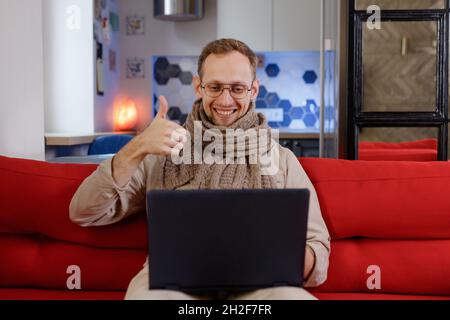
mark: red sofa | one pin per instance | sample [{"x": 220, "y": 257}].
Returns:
[
  {"x": 418, "y": 150},
  {"x": 395, "y": 215}
]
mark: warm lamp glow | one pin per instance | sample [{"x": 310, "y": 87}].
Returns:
[{"x": 125, "y": 117}]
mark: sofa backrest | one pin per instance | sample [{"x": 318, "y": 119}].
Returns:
[
  {"x": 394, "y": 216},
  {"x": 416, "y": 144},
  {"x": 418, "y": 150},
  {"x": 38, "y": 242}
]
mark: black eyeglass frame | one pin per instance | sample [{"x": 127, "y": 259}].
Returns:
[{"x": 229, "y": 87}]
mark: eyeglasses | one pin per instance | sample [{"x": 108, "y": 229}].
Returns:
[{"x": 237, "y": 91}]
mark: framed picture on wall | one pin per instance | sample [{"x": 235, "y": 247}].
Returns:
[
  {"x": 112, "y": 60},
  {"x": 114, "y": 21},
  {"x": 99, "y": 70},
  {"x": 98, "y": 10},
  {"x": 135, "y": 68},
  {"x": 135, "y": 25}
]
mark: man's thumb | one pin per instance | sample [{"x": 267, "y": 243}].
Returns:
[{"x": 163, "y": 107}]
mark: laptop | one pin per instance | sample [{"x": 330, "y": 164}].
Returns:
[{"x": 206, "y": 241}]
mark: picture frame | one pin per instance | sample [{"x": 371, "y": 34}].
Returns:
[
  {"x": 112, "y": 61},
  {"x": 114, "y": 21},
  {"x": 135, "y": 25},
  {"x": 98, "y": 10},
  {"x": 135, "y": 68}
]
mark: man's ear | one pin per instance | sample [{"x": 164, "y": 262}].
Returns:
[
  {"x": 197, "y": 84},
  {"x": 255, "y": 89}
]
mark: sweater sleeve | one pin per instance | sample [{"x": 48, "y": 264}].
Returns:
[
  {"x": 100, "y": 201},
  {"x": 317, "y": 236}
]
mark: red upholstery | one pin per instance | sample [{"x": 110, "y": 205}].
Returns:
[
  {"x": 372, "y": 296},
  {"x": 414, "y": 267},
  {"x": 391, "y": 214},
  {"x": 42, "y": 263},
  {"x": 39, "y": 242},
  {"x": 41, "y": 294},
  {"x": 417, "y": 144},
  {"x": 394, "y": 215},
  {"x": 373, "y": 199},
  {"x": 419, "y": 150},
  {"x": 39, "y": 195},
  {"x": 398, "y": 154}
]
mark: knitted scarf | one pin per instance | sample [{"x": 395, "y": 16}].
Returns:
[{"x": 238, "y": 174}]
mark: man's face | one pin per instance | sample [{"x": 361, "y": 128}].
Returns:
[{"x": 228, "y": 69}]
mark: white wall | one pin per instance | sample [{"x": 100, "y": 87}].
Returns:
[
  {"x": 68, "y": 67},
  {"x": 21, "y": 79},
  {"x": 161, "y": 38}
]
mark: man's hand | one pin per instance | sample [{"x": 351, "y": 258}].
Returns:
[
  {"x": 161, "y": 137},
  {"x": 310, "y": 260}
]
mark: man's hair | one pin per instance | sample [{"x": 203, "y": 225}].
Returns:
[{"x": 223, "y": 46}]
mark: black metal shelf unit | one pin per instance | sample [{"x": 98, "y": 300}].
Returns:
[{"x": 357, "y": 118}]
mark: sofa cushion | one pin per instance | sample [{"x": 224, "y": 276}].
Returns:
[
  {"x": 35, "y": 198},
  {"x": 372, "y": 296},
  {"x": 419, "y": 150},
  {"x": 416, "y": 267},
  {"x": 40, "y": 294},
  {"x": 383, "y": 199},
  {"x": 419, "y": 154},
  {"x": 417, "y": 144},
  {"x": 38, "y": 262}
]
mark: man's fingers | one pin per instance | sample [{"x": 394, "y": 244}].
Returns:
[
  {"x": 175, "y": 151},
  {"x": 175, "y": 139},
  {"x": 166, "y": 150},
  {"x": 178, "y": 136},
  {"x": 182, "y": 131},
  {"x": 177, "y": 127},
  {"x": 178, "y": 146},
  {"x": 170, "y": 142}
]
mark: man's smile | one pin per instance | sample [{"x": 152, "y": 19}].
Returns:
[{"x": 225, "y": 112}]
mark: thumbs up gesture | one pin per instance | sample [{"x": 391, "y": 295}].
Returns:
[
  {"x": 163, "y": 108},
  {"x": 163, "y": 137}
]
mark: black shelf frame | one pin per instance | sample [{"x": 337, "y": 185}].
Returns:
[{"x": 357, "y": 118}]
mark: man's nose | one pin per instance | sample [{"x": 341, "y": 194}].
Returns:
[{"x": 225, "y": 98}]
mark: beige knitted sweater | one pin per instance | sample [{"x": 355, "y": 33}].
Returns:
[{"x": 99, "y": 201}]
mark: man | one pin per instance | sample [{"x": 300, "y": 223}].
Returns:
[{"x": 226, "y": 88}]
